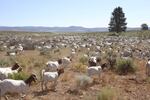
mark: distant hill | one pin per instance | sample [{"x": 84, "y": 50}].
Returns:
[{"x": 57, "y": 29}]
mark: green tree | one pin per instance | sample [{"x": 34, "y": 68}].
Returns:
[
  {"x": 117, "y": 21},
  {"x": 144, "y": 27}
]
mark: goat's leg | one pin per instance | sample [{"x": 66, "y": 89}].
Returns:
[
  {"x": 6, "y": 98},
  {"x": 45, "y": 85},
  {"x": 99, "y": 76},
  {"x": 146, "y": 71},
  {"x": 54, "y": 85},
  {"x": 42, "y": 85},
  {"x": 21, "y": 97}
]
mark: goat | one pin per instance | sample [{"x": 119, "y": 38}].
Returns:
[
  {"x": 9, "y": 70},
  {"x": 148, "y": 68},
  {"x": 19, "y": 48},
  {"x": 65, "y": 61},
  {"x": 94, "y": 70},
  {"x": 53, "y": 65},
  {"x": 5, "y": 74},
  {"x": 50, "y": 77},
  {"x": 16, "y": 86},
  {"x": 94, "y": 60}
]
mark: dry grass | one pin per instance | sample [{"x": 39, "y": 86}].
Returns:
[
  {"x": 79, "y": 67},
  {"x": 107, "y": 93}
]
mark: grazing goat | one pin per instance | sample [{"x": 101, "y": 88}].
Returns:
[
  {"x": 65, "y": 61},
  {"x": 50, "y": 77},
  {"x": 53, "y": 65},
  {"x": 16, "y": 86},
  {"x": 14, "y": 67},
  {"x": 148, "y": 68},
  {"x": 4, "y": 72},
  {"x": 94, "y": 70},
  {"x": 93, "y": 61}
]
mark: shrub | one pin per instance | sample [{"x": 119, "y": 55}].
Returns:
[
  {"x": 83, "y": 81},
  {"x": 18, "y": 76},
  {"x": 44, "y": 52},
  {"x": 106, "y": 94},
  {"x": 83, "y": 60},
  {"x": 80, "y": 67},
  {"x": 125, "y": 66}
]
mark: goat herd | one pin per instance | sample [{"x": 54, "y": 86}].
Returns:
[{"x": 94, "y": 48}]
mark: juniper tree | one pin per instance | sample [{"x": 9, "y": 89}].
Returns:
[
  {"x": 144, "y": 27},
  {"x": 117, "y": 21}
]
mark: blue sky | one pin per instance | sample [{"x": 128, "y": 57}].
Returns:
[{"x": 86, "y": 13}]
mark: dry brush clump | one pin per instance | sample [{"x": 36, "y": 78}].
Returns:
[
  {"x": 83, "y": 60},
  {"x": 83, "y": 81},
  {"x": 79, "y": 67},
  {"x": 107, "y": 93},
  {"x": 66, "y": 77}
]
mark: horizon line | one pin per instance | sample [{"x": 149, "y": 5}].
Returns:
[{"x": 64, "y": 26}]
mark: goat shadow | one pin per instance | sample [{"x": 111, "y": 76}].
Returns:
[{"x": 42, "y": 93}]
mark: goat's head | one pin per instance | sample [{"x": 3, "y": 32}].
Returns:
[
  {"x": 15, "y": 66},
  {"x": 31, "y": 79},
  {"x": 98, "y": 59},
  {"x": 104, "y": 65},
  {"x": 60, "y": 71},
  {"x": 59, "y": 61}
]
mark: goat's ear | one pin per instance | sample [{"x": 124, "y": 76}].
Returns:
[{"x": 70, "y": 59}]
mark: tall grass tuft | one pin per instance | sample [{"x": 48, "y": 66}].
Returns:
[
  {"x": 106, "y": 93},
  {"x": 4, "y": 62}
]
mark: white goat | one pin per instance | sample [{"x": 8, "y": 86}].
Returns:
[
  {"x": 52, "y": 65},
  {"x": 4, "y": 72},
  {"x": 65, "y": 61},
  {"x": 16, "y": 86},
  {"x": 19, "y": 48},
  {"x": 50, "y": 77},
  {"x": 148, "y": 68},
  {"x": 94, "y": 70},
  {"x": 92, "y": 61}
]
